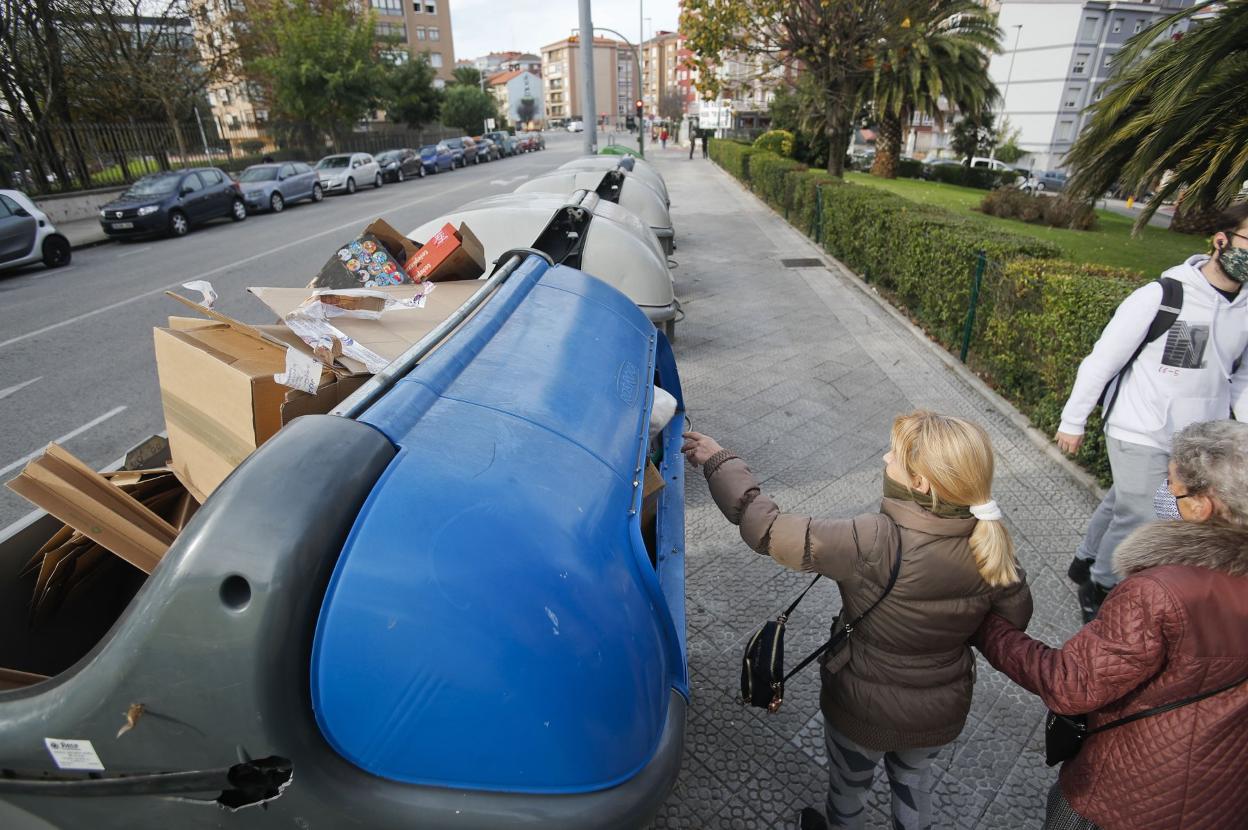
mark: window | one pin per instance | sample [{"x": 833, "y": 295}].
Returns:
[
  {"x": 1139, "y": 25},
  {"x": 1072, "y": 97},
  {"x": 7, "y": 206},
  {"x": 420, "y": 32},
  {"x": 211, "y": 176},
  {"x": 434, "y": 35},
  {"x": 1100, "y": 92},
  {"x": 435, "y": 60},
  {"x": 1081, "y": 63},
  {"x": 286, "y": 170},
  {"x": 418, "y": 7},
  {"x": 390, "y": 31},
  {"x": 1117, "y": 25},
  {"x": 192, "y": 183},
  {"x": 431, "y": 7},
  {"x": 1065, "y": 130},
  {"x": 1091, "y": 25},
  {"x": 439, "y": 83},
  {"x": 395, "y": 57},
  {"x": 387, "y": 6},
  {"x": 1109, "y": 58}
]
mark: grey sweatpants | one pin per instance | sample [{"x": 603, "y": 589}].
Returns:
[
  {"x": 851, "y": 770},
  {"x": 1137, "y": 471}
]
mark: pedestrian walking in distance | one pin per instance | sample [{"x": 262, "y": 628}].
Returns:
[
  {"x": 1168, "y": 650},
  {"x": 1173, "y": 354},
  {"x": 705, "y": 138},
  {"x": 693, "y": 142},
  {"x": 663, "y": 137},
  {"x": 900, "y": 688}
]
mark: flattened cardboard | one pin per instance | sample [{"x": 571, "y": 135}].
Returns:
[
  {"x": 86, "y": 501},
  {"x": 650, "y": 493},
  {"x": 395, "y": 331}
]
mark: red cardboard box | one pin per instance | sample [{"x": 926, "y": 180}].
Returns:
[{"x": 450, "y": 255}]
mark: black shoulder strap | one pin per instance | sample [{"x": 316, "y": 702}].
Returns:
[
  {"x": 849, "y": 627},
  {"x": 1157, "y": 710},
  {"x": 1167, "y": 314}
]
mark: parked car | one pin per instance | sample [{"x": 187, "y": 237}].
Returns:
[
  {"x": 537, "y": 141},
  {"x": 929, "y": 166},
  {"x": 27, "y": 235},
  {"x": 347, "y": 171},
  {"x": 1027, "y": 181},
  {"x": 273, "y": 186},
  {"x": 488, "y": 149},
  {"x": 398, "y": 165},
  {"x": 465, "y": 150},
  {"x": 173, "y": 202},
  {"x": 990, "y": 164},
  {"x": 437, "y": 157},
  {"x": 502, "y": 139},
  {"x": 576, "y": 126},
  {"x": 1054, "y": 181}
]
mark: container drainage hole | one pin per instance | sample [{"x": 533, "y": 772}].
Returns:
[{"x": 235, "y": 592}]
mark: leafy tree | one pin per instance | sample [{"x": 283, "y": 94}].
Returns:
[
  {"x": 940, "y": 50},
  {"x": 409, "y": 96},
  {"x": 1173, "y": 111},
  {"x": 467, "y": 107},
  {"x": 973, "y": 135},
  {"x": 671, "y": 105},
  {"x": 526, "y": 109},
  {"x": 833, "y": 42},
  {"x": 1008, "y": 150},
  {"x": 466, "y": 76},
  {"x": 785, "y": 110}
]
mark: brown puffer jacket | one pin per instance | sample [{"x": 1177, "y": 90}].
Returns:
[
  {"x": 1175, "y": 627},
  {"x": 904, "y": 679}
]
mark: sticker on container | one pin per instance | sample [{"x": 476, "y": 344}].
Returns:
[
  {"x": 303, "y": 372},
  {"x": 73, "y": 753}
]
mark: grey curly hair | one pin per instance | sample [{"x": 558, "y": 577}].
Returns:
[{"x": 1212, "y": 458}]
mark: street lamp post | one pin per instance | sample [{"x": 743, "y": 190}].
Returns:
[
  {"x": 641, "y": 149},
  {"x": 588, "y": 105},
  {"x": 1018, "y": 33}
]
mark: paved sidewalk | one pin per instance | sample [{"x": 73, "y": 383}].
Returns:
[
  {"x": 83, "y": 233},
  {"x": 799, "y": 372}
]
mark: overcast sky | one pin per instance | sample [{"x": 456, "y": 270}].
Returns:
[{"x": 483, "y": 26}]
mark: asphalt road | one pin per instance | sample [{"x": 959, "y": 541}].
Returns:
[{"x": 76, "y": 359}]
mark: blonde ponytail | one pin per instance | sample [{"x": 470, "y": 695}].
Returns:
[{"x": 955, "y": 456}]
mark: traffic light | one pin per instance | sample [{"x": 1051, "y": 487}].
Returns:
[{"x": 639, "y": 106}]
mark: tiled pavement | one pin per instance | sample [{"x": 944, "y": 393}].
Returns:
[{"x": 801, "y": 374}]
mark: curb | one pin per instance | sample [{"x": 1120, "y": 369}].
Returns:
[
  {"x": 1077, "y": 474},
  {"x": 91, "y": 243}
]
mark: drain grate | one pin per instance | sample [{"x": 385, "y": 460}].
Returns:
[{"x": 807, "y": 262}]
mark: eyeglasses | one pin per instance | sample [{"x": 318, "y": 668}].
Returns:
[
  {"x": 1184, "y": 496},
  {"x": 1235, "y": 233}
]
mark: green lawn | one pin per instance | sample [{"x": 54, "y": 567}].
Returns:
[{"x": 1151, "y": 252}]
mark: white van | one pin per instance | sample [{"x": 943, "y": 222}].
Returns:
[{"x": 990, "y": 164}]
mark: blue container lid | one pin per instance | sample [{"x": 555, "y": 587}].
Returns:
[{"x": 494, "y": 622}]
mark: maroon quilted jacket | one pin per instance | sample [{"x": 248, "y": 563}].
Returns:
[{"x": 1176, "y": 626}]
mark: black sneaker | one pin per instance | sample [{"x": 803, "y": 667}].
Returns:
[
  {"x": 1091, "y": 595},
  {"x": 1080, "y": 570},
  {"x": 811, "y": 819}
]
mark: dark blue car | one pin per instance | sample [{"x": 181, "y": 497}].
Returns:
[
  {"x": 437, "y": 157},
  {"x": 170, "y": 203}
]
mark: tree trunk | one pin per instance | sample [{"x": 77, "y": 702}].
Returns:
[
  {"x": 887, "y": 147},
  {"x": 838, "y": 115},
  {"x": 171, "y": 115}
]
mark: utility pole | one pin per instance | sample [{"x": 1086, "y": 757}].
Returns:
[
  {"x": 1018, "y": 33},
  {"x": 202, "y": 137},
  {"x": 589, "y": 106}
]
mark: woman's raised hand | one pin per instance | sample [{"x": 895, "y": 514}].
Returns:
[{"x": 699, "y": 448}]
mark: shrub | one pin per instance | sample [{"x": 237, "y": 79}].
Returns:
[
  {"x": 733, "y": 156},
  {"x": 769, "y": 178},
  {"x": 780, "y": 142},
  {"x": 1012, "y": 203},
  {"x": 978, "y": 177},
  {"x": 910, "y": 169}
]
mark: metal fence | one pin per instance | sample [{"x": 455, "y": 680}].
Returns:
[{"x": 56, "y": 158}]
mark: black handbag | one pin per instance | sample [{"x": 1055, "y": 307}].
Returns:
[
  {"x": 1064, "y": 734},
  {"x": 762, "y": 666}
]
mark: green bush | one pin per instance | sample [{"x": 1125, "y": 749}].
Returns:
[
  {"x": 978, "y": 177},
  {"x": 910, "y": 169},
  {"x": 780, "y": 142},
  {"x": 733, "y": 156},
  {"x": 1045, "y": 316},
  {"x": 1012, "y": 203},
  {"x": 769, "y": 178}
]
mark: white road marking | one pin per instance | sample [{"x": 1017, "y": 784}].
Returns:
[
  {"x": 354, "y": 223},
  {"x": 4, "y": 393},
  {"x": 509, "y": 181},
  {"x": 66, "y": 437},
  {"x": 125, "y": 254}
]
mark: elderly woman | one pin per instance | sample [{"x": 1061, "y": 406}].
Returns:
[{"x": 1174, "y": 631}]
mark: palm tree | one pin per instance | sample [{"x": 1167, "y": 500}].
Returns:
[
  {"x": 941, "y": 51},
  {"x": 1174, "y": 112}
]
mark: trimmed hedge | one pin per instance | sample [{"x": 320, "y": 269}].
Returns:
[
  {"x": 977, "y": 177},
  {"x": 779, "y": 142},
  {"x": 1037, "y": 315}
]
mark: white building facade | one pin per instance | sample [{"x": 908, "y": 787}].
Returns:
[{"x": 1061, "y": 64}]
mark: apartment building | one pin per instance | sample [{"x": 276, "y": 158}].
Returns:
[
  {"x": 1057, "y": 57},
  {"x": 420, "y": 26},
  {"x": 561, "y": 81}
]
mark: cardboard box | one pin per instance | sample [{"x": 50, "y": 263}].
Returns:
[
  {"x": 394, "y": 331},
  {"x": 220, "y": 399},
  {"x": 450, "y": 255},
  {"x": 653, "y": 485},
  {"x": 374, "y": 258}
]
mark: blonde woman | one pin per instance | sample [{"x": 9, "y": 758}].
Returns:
[{"x": 900, "y": 688}]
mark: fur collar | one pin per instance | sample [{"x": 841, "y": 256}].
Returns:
[{"x": 1184, "y": 543}]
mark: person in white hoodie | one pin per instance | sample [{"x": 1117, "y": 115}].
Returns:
[{"x": 1195, "y": 371}]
